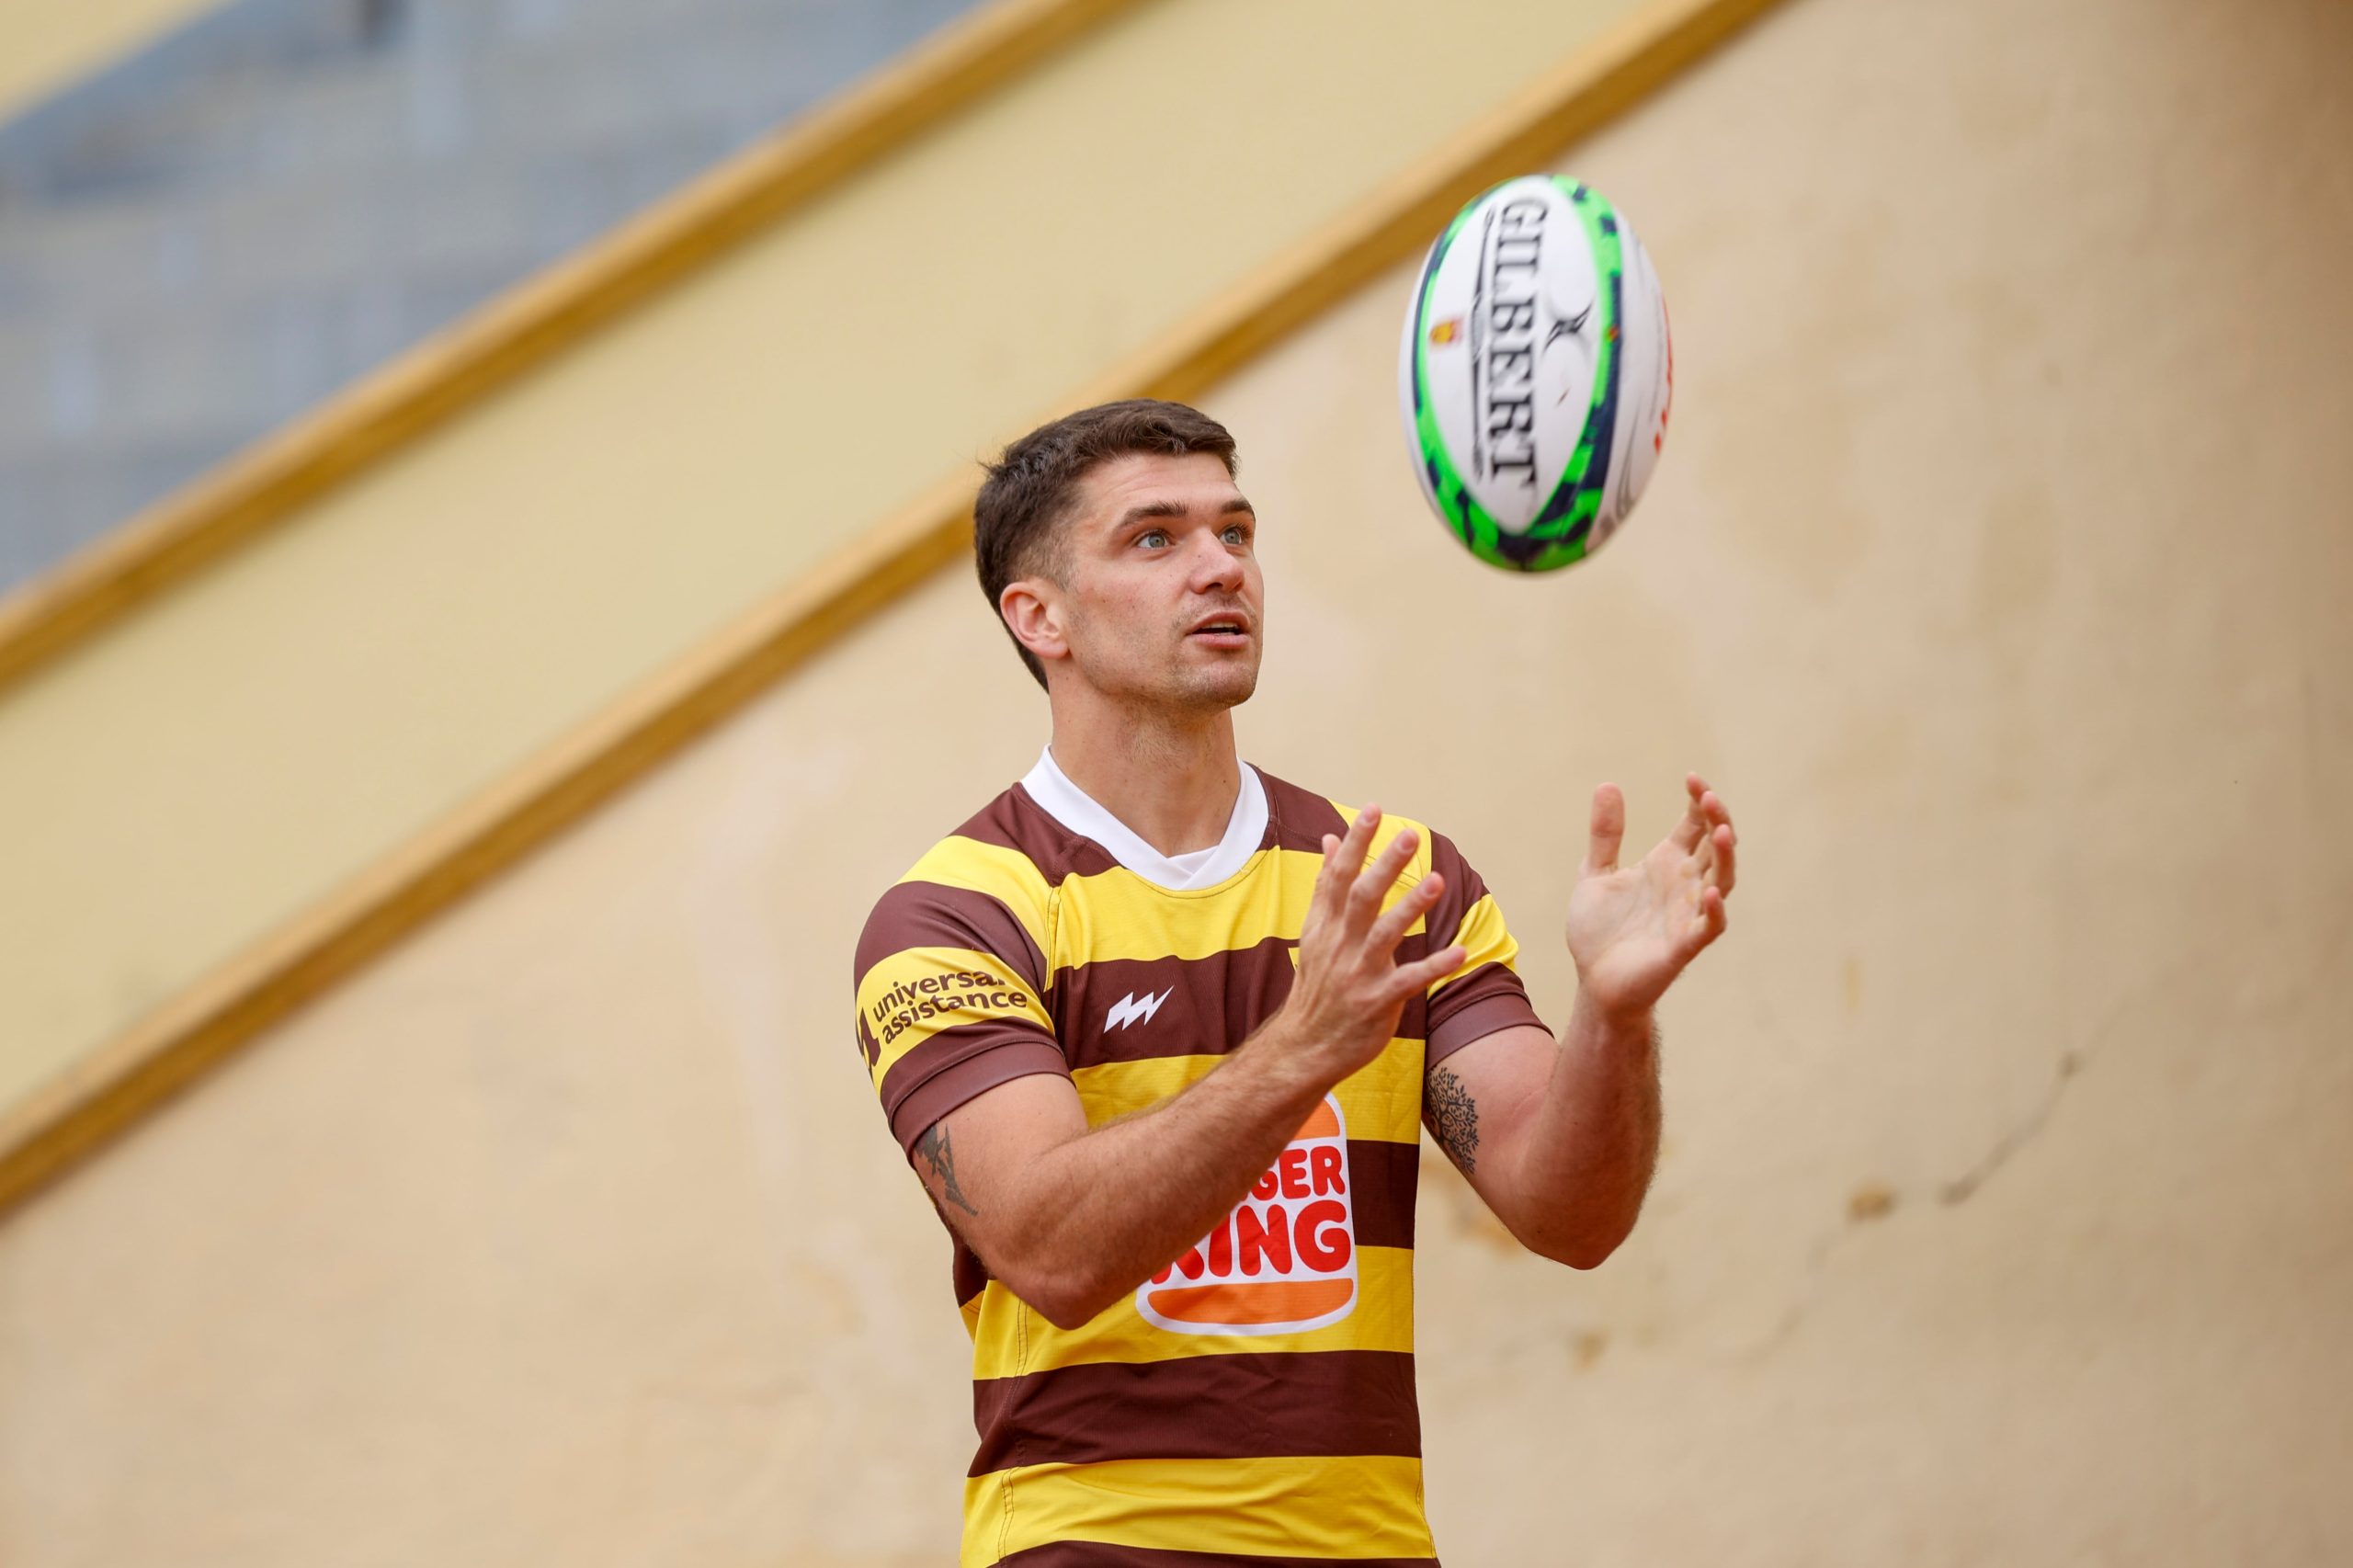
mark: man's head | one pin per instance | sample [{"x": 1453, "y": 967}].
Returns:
[{"x": 1121, "y": 555}]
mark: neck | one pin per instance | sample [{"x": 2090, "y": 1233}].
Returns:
[{"x": 1173, "y": 781}]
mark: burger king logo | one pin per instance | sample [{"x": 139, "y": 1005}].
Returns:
[{"x": 1284, "y": 1260}]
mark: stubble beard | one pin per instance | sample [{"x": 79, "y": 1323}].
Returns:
[
  {"x": 1216, "y": 689},
  {"x": 1148, "y": 681},
  {"x": 1224, "y": 681}
]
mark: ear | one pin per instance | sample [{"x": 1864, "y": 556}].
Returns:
[{"x": 1033, "y": 607}]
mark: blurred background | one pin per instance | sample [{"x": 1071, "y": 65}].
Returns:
[{"x": 483, "y": 611}]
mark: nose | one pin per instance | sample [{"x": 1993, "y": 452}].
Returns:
[{"x": 1214, "y": 566}]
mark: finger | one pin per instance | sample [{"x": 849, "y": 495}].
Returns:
[
  {"x": 1707, "y": 925},
  {"x": 1720, "y": 873},
  {"x": 1691, "y": 829},
  {"x": 1373, "y": 883},
  {"x": 1609, "y": 830},
  {"x": 1415, "y": 978},
  {"x": 1343, "y": 858},
  {"x": 1358, "y": 842},
  {"x": 1320, "y": 901},
  {"x": 1389, "y": 929}
]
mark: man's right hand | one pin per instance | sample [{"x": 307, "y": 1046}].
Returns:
[{"x": 1344, "y": 1007}]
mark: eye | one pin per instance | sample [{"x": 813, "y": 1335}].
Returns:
[
  {"x": 1152, "y": 538},
  {"x": 1238, "y": 533}
]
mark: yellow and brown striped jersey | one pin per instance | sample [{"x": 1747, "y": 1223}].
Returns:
[{"x": 1252, "y": 1401}]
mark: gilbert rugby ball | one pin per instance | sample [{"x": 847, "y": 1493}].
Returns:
[{"x": 1536, "y": 376}]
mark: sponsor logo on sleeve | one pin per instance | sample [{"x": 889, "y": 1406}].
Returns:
[
  {"x": 950, "y": 997},
  {"x": 1284, "y": 1261}
]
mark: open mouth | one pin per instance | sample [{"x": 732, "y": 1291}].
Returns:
[{"x": 1225, "y": 631}]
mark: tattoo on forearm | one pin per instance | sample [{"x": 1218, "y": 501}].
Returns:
[
  {"x": 933, "y": 1147},
  {"x": 1453, "y": 1118}
]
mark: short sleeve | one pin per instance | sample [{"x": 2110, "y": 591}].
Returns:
[
  {"x": 1484, "y": 995},
  {"x": 952, "y": 1002}
]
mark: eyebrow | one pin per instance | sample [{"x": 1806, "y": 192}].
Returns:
[{"x": 1177, "y": 509}]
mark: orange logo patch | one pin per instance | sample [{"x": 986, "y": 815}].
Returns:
[
  {"x": 1284, "y": 1261},
  {"x": 1446, "y": 332}
]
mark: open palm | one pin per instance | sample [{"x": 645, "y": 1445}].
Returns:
[{"x": 1632, "y": 929}]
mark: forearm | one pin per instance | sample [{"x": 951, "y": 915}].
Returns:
[
  {"x": 1587, "y": 1151},
  {"x": 1098, "y": 1215}
]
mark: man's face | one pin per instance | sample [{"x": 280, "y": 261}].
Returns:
[{"x": 1161, "y": 599}]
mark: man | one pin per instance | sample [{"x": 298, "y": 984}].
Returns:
[{"x": 1159, "y": 1033}]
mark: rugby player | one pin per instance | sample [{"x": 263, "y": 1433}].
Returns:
[{"x": 1159, "y": 1032}]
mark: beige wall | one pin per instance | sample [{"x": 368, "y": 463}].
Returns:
[
  {"x": 218, "y": 764},
  {"x": 46, "y": 44},
  {"x": 1998, "y": 570}
]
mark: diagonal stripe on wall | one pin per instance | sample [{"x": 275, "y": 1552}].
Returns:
[{"x": 1587, "y": 88}]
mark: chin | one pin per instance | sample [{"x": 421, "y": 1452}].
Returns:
[{"x": 1219, "y": 689}]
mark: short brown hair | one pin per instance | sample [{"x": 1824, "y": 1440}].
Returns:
[{"x": 1017, "y": 521}]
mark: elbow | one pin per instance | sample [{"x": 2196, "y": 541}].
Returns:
[
  {"x": 1582, "y": 1235},
  {"x": 1581, "y": 1250},
  {"x": 1068, "y": 1316},
  {"x": 1066, "y": 1299},
  {"x": 1585, "y": 1256},
  {"x": 1065, "y": 1310},
  {"x": 1577, "y": 1255},
  {"x": 1061, "y": 1283}
]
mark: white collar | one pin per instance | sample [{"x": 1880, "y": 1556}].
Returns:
[{"x": 1077, "y": 811}]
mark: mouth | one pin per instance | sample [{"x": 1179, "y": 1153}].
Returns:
[{"x": 1220, "y": 631}]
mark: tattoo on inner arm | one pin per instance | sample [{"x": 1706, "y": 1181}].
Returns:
[
  {"x": 933, "y": 1147},
  {"x": 1453, "y": 1118}
]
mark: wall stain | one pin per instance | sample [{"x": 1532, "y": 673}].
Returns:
[
  {"x": 1961, "y": 1189},
  {"x": 1872, "y": 1200}
]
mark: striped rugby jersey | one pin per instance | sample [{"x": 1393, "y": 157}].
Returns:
[{"x": 1252, "y": 1401}]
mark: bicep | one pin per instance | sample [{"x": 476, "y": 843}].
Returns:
[
  {"x": 973, "y": 1159},
  {"x": 1478, "y": 1101},
  {"x": 1491, "y": 1055}
]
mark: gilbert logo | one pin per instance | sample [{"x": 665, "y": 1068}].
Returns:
[
  {"x": 1128, "y": 1009},
  {"x": 1285, "y": 1260}
]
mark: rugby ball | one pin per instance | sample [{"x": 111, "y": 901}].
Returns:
[{"x": 1536, "y": 376}]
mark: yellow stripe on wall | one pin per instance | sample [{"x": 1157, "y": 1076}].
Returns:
[
  {"x": 1352, "y": 1506},
  {"x": 1010, "y": 1338},
  {"x": 113, "y": 1002}
]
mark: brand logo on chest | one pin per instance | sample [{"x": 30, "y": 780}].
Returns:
[
  {"x": 1284, "y": 1261},
  {"x": 1134, "y": 1009}
]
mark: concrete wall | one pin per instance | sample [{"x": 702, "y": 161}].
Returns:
[
  {"x": 192, "y": 780},
  {"x": 1998, "y": 570}
]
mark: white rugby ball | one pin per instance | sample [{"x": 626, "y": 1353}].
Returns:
[{"x": 1536, "y": 376}]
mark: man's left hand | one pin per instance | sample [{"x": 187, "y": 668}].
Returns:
[{"x": 1632, "y": 930}]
